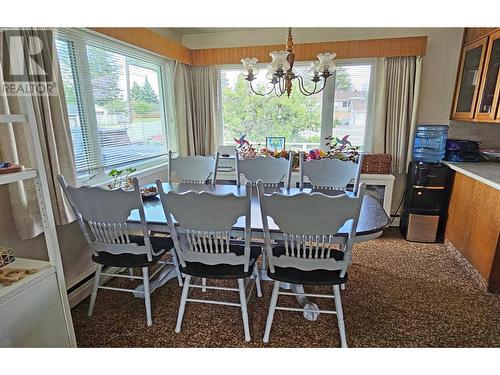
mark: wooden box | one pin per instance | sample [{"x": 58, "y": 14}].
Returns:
[{"x": 376, "y": 163}]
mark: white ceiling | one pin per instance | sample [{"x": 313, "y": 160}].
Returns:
[{"x": 206, "y": 30}]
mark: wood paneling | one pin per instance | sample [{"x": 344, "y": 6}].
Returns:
[
  {"x": 408, "y": 46},
  {"x": 149, "y": 40},
  {"x": 473, "y": 225},
  {"x": 474, "y": 33}
]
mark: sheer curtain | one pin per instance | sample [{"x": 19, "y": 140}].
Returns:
[
  {"x": 196, "y": 108},
  {"x": 397, "y": 96},
  {"x": 15, "y": 143}
]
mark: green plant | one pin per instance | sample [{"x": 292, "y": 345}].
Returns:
[{"x": 115, "y": 173}]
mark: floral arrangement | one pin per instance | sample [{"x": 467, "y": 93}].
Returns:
[
  {"x": 341, "y": 148},
  {"x": 338, "y": 148}
]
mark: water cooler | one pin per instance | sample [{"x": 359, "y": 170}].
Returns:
[
  {"x": 427, "y": 187},
  {"x": 426, "y": 202}
]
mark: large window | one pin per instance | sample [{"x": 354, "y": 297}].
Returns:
[
  {"x": 116, "y": 104},
  {"x": 342, "y": 108}
]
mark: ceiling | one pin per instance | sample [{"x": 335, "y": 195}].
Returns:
[{"x": 206, "y": 30}]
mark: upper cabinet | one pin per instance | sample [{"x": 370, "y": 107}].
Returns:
[
  {"x": 478, "y": 83},
  {"x": 487, "y": 108}
]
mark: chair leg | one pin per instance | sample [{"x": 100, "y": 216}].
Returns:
[
  {"x": 147, "y": 295},
  {"x": 244, "y": 312},
  {"x": 342, "y": 286},
  {"x": 182, "y": 305},
  {"x": 272, "y": 308},
  {"x": 340, "y": 316},
  {"x": 263, "y": 256},
  {"x": 93, "y": 296},
  {"x": 177, "y": 270},
  {"x": 131, "y": 273},
  {"x": 257, "y": 280},
  {"x": 203, "y": 283}
]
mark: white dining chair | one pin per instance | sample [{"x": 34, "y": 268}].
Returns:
[
  {"x": 193, "y": 169},
  {"x": 330, "y": 174},
  {"x": 272, "y": 171},
  {"x": 201, "y": 226},
  {"x": 102, "y": 216},
  {"x": 308, "y": 249}
]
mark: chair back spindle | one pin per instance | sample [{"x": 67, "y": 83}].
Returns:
[
  {"x": 201, "y": 225},
  {"x": 309, "y": 227},
  {"x": 102, "y": 216}
]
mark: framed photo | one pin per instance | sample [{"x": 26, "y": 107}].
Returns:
[{"x": 275, "y": 143}]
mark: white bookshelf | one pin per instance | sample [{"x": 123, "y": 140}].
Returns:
[
  {"x": 35, "y": 310},
  {"x": 7, "y": 178}
]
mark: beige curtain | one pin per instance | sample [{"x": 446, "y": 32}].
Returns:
[
  {"x": 397, "y": 95},
  {"x": 15, "y": 142},
  {"x": 195, "y": 90}
]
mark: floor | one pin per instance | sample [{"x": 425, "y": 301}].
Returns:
[{"x": 399, "y": 294}]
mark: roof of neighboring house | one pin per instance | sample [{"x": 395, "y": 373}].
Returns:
[{"x": 346, "y": 95}]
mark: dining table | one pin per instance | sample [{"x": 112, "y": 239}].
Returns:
[{"x": 371, "y": 223}]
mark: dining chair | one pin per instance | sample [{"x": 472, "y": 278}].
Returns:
[
  {"x": 330, "y": 174},
  {"x": 206, "y": 246},
  {"x": 272, "y": 171},
  {"x": 307, "y": 249},
  {"x": 102, "y": 216},
  {"x": 193, "y": 169}
]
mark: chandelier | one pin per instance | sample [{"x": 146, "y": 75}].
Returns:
[{"x": 281, "y": 72}]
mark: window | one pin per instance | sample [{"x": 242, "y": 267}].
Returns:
[
  {"x": 116, "y": 104},
  {"x": 342, "y": 108}
]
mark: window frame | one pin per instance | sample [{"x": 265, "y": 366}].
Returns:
[
  {"x": 327, "y": 105},
  {"x": 79, "y": 39}
]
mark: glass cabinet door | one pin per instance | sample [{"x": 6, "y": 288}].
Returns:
[
  {"x": 470, "y": 76},
  {"x": 488, "y": 96}
]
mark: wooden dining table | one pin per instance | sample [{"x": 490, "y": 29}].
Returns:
[{"x": 372, "y": 221}]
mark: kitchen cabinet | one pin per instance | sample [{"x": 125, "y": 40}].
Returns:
[
  {"x": 473, "y": 226},
  {"x": 467, "y": 91},
  {"x": 487, "y": 108},
  {"x": 477, "y": 89}
]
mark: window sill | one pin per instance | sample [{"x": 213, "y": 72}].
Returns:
[{"x": 140, "y": 173}]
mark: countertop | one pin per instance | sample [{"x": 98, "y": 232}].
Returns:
[{"x": 486, "y": 172}]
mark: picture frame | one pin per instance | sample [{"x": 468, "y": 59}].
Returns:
[{"x": 275, "y": 143}]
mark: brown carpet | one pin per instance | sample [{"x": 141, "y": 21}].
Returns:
[{"x": 399, "y": 294}]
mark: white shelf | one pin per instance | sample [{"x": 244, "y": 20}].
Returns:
[
  {"x": 44, "y": 269},
  {"x": 8, "y": 178},
  {"x": 5, "y": 119}
]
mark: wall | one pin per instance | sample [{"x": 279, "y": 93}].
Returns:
[{"x": 487, "y": 134}]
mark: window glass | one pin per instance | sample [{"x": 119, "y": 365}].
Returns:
[
  {"x": 299, "y": 117},
  {"x": 115, "y": 106}
]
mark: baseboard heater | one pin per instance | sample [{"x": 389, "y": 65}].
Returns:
[{"x": 82, "y": 289}]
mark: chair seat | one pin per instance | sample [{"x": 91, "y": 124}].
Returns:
[
  {"x": 315, "y": 277},
  {"x": 223, "y": 271},
  {"x": 159, "y": 244}
]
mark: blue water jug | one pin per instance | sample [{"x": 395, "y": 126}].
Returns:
[{"x": 430, "y": 143}]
